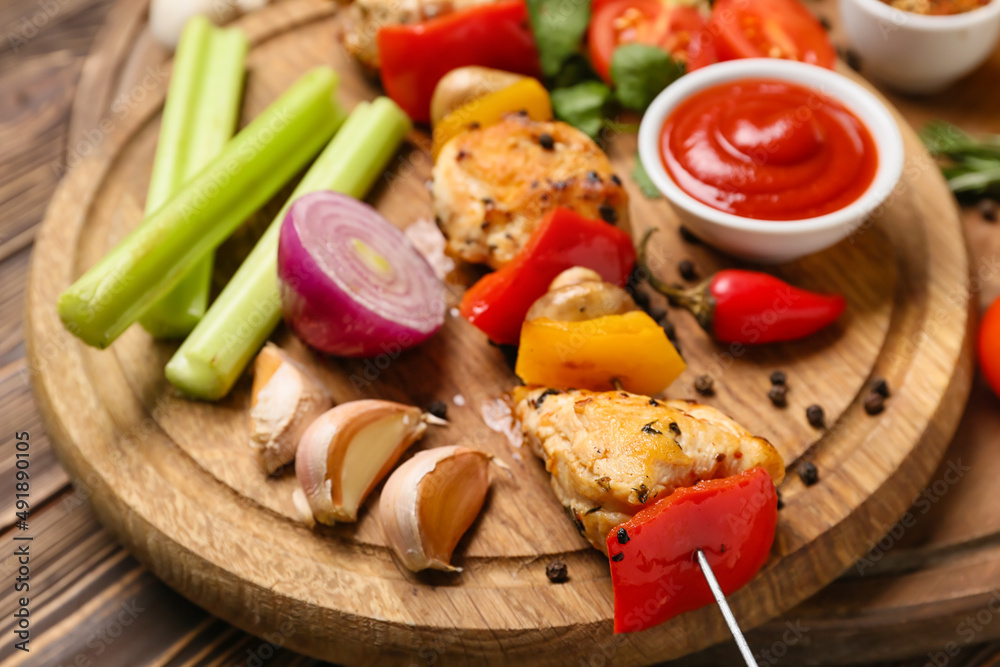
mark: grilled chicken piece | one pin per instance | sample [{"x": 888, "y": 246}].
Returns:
[
  {"x": 363, "y": 18},
  {"x": 610, "y": 453},
  {"x": 492, "y": 186}
]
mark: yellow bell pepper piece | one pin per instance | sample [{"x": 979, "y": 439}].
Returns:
[
  {"x": 631, "y": 348},
  {"x": 525, "y": 95}
]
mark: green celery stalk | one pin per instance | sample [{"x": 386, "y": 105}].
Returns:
[
  {"x": 199, "y": 118},
  {"x": 212, "y": 358},
  {"x": 141, "y": 269}
]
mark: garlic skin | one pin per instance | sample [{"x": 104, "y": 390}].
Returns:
[
  {"x": 348, "y": 450},
  {"x": 167, "y": 17},
  {"x": 429, "y": 502},
  {"x": 285, "y": 400}
]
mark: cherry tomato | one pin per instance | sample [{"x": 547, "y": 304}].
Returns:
[
  {"x": 770, "y": 29},
  {"x": 989, "y": 346},
  {"x": 680, "y": 31}
]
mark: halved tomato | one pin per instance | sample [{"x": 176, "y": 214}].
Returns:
[
  {"x": 770, "y": 29},
  {"x": 680, "y": 31}
]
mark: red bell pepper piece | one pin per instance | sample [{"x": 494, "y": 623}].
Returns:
[
  {"x": 413, "y": 58},
  {"x": 563, "y": 239},
  {"x": 653, "y": 569}
]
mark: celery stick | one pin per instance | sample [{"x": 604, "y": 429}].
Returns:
[
  {"x": 253, "y": 167},
  {"x": 200, "y": 116},
  {"x": 211, "y": 359}
]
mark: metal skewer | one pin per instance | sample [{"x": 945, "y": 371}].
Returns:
[{"x": 727, "y": 613}]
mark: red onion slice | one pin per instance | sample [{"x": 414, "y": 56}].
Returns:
[{"x": 352, "y": 284}]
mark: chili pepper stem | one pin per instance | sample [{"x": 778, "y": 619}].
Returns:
[
  {"x": 697, "y": 300},
  {"x": 727, "y": 613}
]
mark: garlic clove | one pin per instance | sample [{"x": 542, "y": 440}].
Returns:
[
  {"x": 284, "y": 401},
  {"x": 348, "y": 450},
  {"x": 167, "y": 18},
  {"x": 429, "y": 502}
]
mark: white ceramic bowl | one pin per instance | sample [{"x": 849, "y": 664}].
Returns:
[
  {"x": 772, "y": 241},
  {"x": 916, "y": 53}
]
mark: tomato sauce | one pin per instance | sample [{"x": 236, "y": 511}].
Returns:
[{"x": 768, "y": 149}]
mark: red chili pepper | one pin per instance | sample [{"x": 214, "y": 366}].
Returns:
[
  {"x": 563, "y": 239},
  {"x": 750, "y": 307},
  {"x": 753, "y": 307},
  {"x": 413, "y": 58},
  {"x": 653, "y": 569}
]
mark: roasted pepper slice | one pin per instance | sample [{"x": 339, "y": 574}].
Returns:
[
  {"x": 526, "y": 95},
  {"x": 563, "y": 239},
  {"x": 654, "y": 573},
  {"x": 592, "y": 354},
  {"x": 414, "y": 57}
]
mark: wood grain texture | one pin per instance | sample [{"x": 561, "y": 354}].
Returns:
[
  {"x": 168, "y": 476},
  {"x": 862, "y": 621}
]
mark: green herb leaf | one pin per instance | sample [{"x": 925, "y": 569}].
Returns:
[
  {"x": 582, "y": 106},
  {"x": 643, "y": 180},
  {"x": 558, "y": 26},
  {"x": 971, "y": 165},
  {"x": 575, "y": 70},
  {"x": 640, "y": 72}
]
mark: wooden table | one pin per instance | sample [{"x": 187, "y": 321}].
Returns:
[{"x": 92, "y": 604}]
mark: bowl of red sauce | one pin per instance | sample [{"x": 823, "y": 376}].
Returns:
[{"x": 771, "y": 160}]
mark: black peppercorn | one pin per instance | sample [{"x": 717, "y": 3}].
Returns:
[
  {"x": 778, "y": 377},
  {"x": 438, "y": 408},
  {"x": 675, "y": 428},
  {"x": 687, "y": 270},
  {"x": 852, "y": 59},
  {"x": 874, "y": 403},
  {"x": 546, "y": 141},
  {"x": 988, "y": 209},
  {"x": 622, "y": 536},
  {"x": 778, "y": 395},
  {"x": 814, "y": 414},
  {"x": 880, "y": 387},
  {"x": 689, "y": 236},
  {"x": 808, "y": 473},
  {"x": 654, "y": 402},
  {"x": 641, "y": 298},
  {"x": 657, "y": 314},
  {"x": 556, "y": 572},
  {"x": 649, "y": 430},
  {"x": 668, "y": 328},
  {"x": 614, "y": 179},
  {"x": 608, "y": 213},
  {"x": 704, "y": 385}
]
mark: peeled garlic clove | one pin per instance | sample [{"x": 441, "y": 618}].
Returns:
[
  {"x": 168, "y": 17},
  {"x": 348, "y": 450},
  {"x": 430, "y": 501},
  {"x": 284, "y": 401}
]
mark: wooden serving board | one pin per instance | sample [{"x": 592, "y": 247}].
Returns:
[{"x": 175, "y": 480}]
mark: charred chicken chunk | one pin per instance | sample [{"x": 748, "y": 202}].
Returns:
[
  {"x": 492, "y": 186},
  {"x": 611, "y": 453}
]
